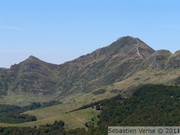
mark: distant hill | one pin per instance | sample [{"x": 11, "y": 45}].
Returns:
[{"x": 126, "y": 63}]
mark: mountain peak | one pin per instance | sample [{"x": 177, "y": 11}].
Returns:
[
  {"x": 126, "y": 38},
  {"x": 31, "y": 58},
  {"x": 132, "y": 47},
  {"x": 129, "y": 40}
]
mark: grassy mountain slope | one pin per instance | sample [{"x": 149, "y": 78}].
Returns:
[{"x": 59, "y": 112}]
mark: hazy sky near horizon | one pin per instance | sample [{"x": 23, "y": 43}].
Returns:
[{"x": 61, "y": 30}]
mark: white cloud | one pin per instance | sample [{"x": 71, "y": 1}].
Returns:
[
  {"x": 17, "y": 50},
  {"x": 12, "y": 28}
]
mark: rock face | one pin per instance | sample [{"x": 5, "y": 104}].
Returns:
[
  {"x": 157, "y": 60},
  {"x": 163, "y": 60},
  {"x": 103, "y": 67},
  {"x": 173, "y": 61}
]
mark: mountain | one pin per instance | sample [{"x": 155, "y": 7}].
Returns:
[
  {"x": 127, "y": 62},
  {"x": 34, "y": 75},
  {"x": 104, "y": 66}
]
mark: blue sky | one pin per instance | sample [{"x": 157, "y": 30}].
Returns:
[{"x": 61, "y": 30}]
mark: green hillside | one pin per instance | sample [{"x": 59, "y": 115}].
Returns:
[{"x": 150, "y": 105}]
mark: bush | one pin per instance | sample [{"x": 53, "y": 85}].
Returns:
[
  {"x": 100, "y": 91},
  {"x": 98, "y": 107}
]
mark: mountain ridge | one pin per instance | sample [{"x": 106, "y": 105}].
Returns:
[{"x": 118, "y": 62}]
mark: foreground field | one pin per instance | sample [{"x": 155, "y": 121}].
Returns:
[{"x": 48, "y": 115}]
